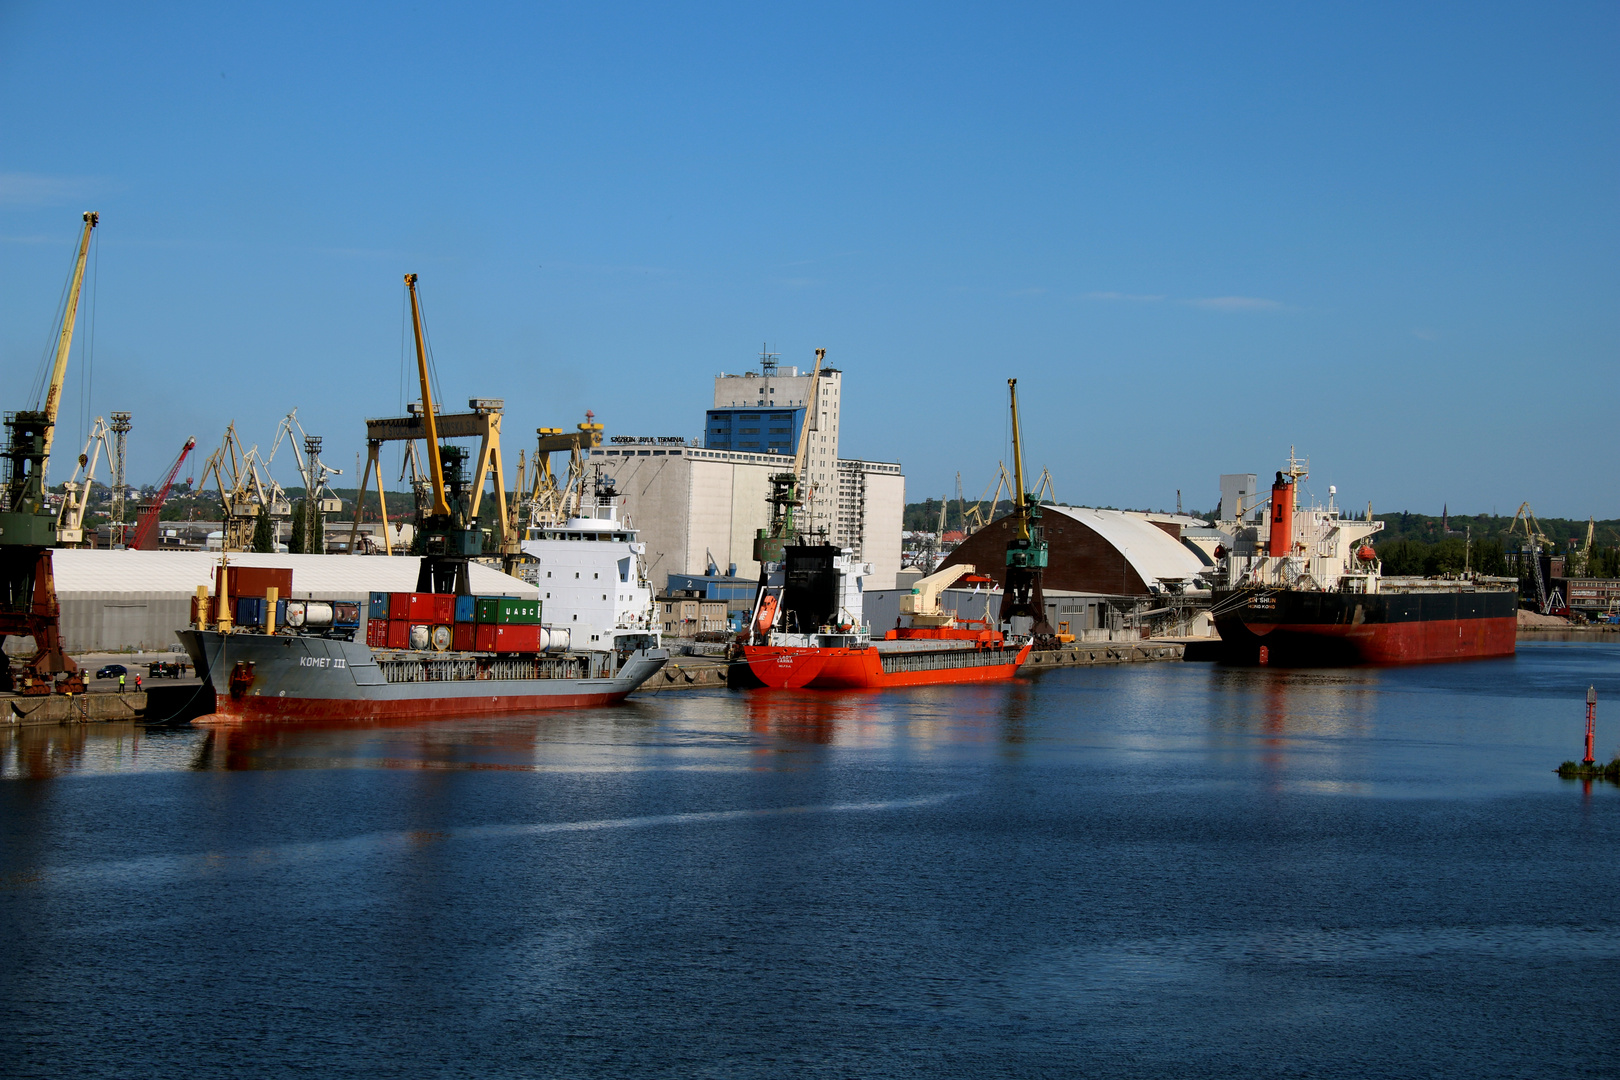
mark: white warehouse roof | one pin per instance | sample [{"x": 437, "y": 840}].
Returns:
[{"x": 336, "y": 577}]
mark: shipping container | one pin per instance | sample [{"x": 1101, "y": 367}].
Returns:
[
  {"x": 507, "y": 610},
  {"x": 378, "y": 607},
  {"x": 463, "y": 638},
  {"x": 518, "y": 637},
  {"x": 484, "y": 637},
  {"x": 250, "y": 611},
  {"x": 377, "y": 633},
  {"x": 399, "y": 634},
  {"x": 465, "y": 609},
  {"x": 430, "y": 607},
  {"x": 399, "y": 605},
  {"x": 255, "y": 581}
]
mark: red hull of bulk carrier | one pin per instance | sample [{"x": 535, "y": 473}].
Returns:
[
  {"x": 1383, "y": 628},
  {"x": 795, "y": 667},
  {"x": 1397, "y": 643}
]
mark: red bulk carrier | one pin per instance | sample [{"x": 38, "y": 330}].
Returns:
[{"x": 1312, "y": 592}]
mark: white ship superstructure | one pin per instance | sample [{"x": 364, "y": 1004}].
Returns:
[{"x": 591, "y": 572}]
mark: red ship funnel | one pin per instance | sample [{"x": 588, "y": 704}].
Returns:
[{"x": 1282, "y": 517}]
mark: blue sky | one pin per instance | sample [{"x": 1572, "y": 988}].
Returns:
[{"x": 1196, "y": 233}]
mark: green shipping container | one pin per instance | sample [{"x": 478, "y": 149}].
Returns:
[{"x": 506, "y": 610}]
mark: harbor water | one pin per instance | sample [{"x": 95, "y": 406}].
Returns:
[{"x": 1173, "y": 869}]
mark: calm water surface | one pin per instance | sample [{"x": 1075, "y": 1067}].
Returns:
[{"x": 1155, "y": 870}]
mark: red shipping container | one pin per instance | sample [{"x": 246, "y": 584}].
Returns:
[
  {"x": 426, "y": 607},
  {"x": 377, "y": 633},
  {"x": 257, "y": 580},
  {"x": 461, "y": 637},
  {"x": 399, "y": 606},
  {"x": 484, "y": 637},
  {"x": 399, "y": 634},
  {"x": 516, "y": 637}
]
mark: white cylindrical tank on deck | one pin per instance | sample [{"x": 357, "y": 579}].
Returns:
[
  {"x": 308, "y": 613},
  {"x": 419, "y": 637},
  {"x": 554, "y": 640}
]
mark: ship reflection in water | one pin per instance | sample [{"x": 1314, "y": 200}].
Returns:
[{"x": 1139, "y": 870}]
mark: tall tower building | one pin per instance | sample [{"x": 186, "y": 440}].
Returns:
[{"x": 763, "y": 412}]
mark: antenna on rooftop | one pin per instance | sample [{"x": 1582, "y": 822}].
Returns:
[{"x": 767, "y": 361}]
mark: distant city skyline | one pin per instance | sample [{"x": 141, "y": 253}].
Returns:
[{"x": 1386, "y": 236}]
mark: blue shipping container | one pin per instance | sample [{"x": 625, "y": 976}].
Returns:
[
  {"x": 378, "y": 608},
  {"x": 465, "y": 607},
  {"x": 250, "y": 611}
]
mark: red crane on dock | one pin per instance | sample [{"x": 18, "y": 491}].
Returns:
[{"x": 146, "y": 531}]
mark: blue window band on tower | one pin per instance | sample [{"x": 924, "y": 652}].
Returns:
[{"x": 765, "y": 430}]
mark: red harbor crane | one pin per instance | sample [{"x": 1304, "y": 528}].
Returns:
[{"x": 146, "y": 531}]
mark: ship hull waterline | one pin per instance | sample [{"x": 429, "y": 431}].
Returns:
[
  {"x": 1312, "y": 629},
  {"x": 798, "y": 667},
  {"x": 301, "y": 679}
]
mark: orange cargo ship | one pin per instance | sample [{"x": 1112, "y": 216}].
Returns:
[{"x": 818, "y": 589}]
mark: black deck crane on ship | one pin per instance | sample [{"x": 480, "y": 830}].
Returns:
[{"x": 28, "y": 606}]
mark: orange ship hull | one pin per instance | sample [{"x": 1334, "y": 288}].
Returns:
[{"x": 795, "y": 667}]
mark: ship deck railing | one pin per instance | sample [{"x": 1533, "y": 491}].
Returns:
[
  {"x": 473, "y": 669},
  {"x": 947, "y": 659}
]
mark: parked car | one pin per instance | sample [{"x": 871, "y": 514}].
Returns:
[{"x": 112, "y": 671}]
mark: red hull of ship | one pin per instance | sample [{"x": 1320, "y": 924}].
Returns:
[
  {"x": 791, "y": 668},
  {"x": 299, "y": 710},
  {"x": 1390, "y": 643}
]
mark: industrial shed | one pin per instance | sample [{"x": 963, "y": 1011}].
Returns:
[
  {"x": 116, "y": 600},
  {"x": 1108, "y": 552}
]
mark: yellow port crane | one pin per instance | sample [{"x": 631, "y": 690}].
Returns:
[
  {"x": 28, "y": 606},
  {"x": 1530, "y": 552}
]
